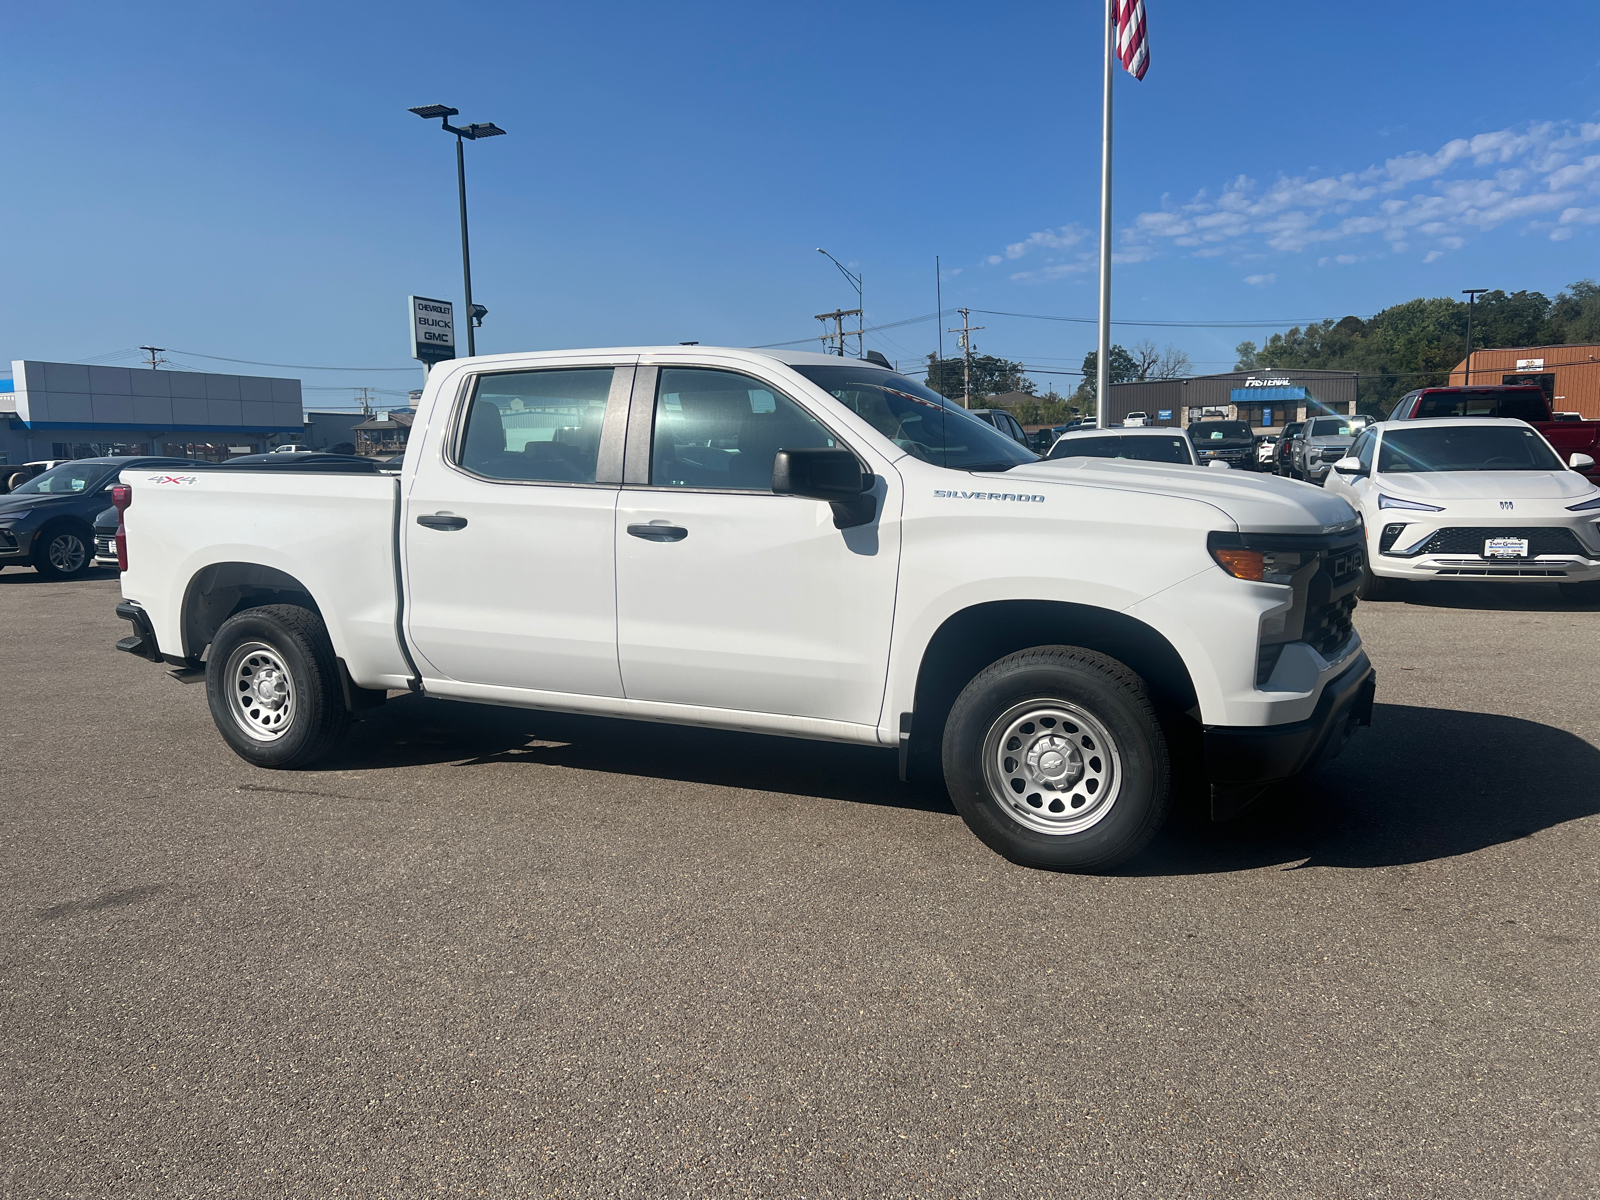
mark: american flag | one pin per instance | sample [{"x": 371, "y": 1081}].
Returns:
[{"x": 1132, "y": 46}]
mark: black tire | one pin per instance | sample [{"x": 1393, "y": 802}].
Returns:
[
  {"x": 1376, "y": 587},
  {"x": 1585, "y": 592},
  {"x": 279, "y": 731},
  {"x": 1036, "y": 825},
  {"x": 64, "y": 550}
]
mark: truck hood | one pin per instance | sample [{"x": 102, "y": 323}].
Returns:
[
  {"x": 1486, "y": 485},
  {"x": 1255, "y": 503}
]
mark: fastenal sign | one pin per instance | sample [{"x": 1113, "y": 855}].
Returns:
[{"x": 433, "y": 329}]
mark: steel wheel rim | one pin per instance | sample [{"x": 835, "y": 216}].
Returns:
[
  {"x": 1052, "y": 766},
  {"x": 67, "y": 552},
  {"x": 261, "y": 694}
]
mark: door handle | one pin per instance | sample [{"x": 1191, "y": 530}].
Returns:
[
  {"x": 442, "y": 521},
  {"x": 659, "y": 533}
]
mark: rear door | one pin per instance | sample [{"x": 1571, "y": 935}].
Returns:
[
  {"x": 509, "y": 529},
  {"x": 728, "y": 595}
]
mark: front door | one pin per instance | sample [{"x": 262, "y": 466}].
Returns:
[
  {"x": 509, "y": 529},
  {"x": 732, "y": 597}
]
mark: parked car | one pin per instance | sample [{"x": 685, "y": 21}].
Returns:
[
  {"x": 1523, "y": 402},
  {"x": 780, "y": 542},
  {"x": 1282, "y": 449},
  {"x": 1323, "y": 442},
  {"x": 12, "y": 478},
  {"x": 1266, "y": 443},
  {"x": 291, "y": 448},
  {"x": 1471, "y": 499},
  {"x": 1140, "y": 445},
  {"x": 1136, "y": 420},
  {"x": 105, "y": 537},
  {"x": 1003, "y": 421},
  {"x": 47, "y": 522},
  {"x": 1232, "y": 442}
]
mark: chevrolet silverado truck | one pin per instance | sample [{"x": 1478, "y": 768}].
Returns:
[
  {"x": 1523, "y": 402},
  {"x": 779, "y": 543}
]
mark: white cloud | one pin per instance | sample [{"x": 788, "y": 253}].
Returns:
[
  {"x": 1262, "y": 280},
  {"x": 1469, "y": 186}
]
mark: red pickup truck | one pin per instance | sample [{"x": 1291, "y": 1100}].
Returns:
[{"x": 1525, "y": 402}]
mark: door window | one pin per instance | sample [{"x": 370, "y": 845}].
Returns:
[
  {"x": 721, "y": 430},
  {"x": 1365, "y": 445},
  {"x": 536, "y": 426}
]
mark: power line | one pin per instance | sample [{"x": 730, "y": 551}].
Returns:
[
  {"x": 1154, "y": 324},
  {"x": 250, "y": 362}
]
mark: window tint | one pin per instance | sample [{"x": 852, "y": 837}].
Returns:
[
  {"x": 1216, "y": 431},
  {"x": 68, "y": 479},
  {"x": 1365, "y": 445},
  {"x": 1466, "y": 448},
  {"x": 1174, "y": 449},
  {"x": 720, "y": 429},
  {"x": 538, "y": 426},
  {"x": 1489, "y": 402},
  {"x": 1329, "y": 427}
]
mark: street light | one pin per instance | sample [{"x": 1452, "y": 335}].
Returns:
[
  {"x": 1472, "y": 295},
  {"x": 475, "y": 312},
  {"x": 855, "y": 282}
]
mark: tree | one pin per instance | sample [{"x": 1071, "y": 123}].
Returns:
[
  {"x": 990, "y": 376},
  {"x": 1170, "y": 363},
  {"x": 1123, "y": 370}
]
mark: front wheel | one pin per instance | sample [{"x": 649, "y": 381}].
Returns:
[
  {"x": 1055, "y": 759},
  {"x": 63, "y": 552},
  {"x": 273, "y": 686}
]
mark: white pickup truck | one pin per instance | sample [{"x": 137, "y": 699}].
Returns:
[{"x": 783, "y": 543}]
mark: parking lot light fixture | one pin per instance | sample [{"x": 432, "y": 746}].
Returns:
[{"x": 468, "y": 133}]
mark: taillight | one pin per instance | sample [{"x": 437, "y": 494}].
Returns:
[{"x": 122, "y": 497}]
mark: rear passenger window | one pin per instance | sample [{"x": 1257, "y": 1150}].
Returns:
[
  {"x": 537, "y": 426},
  {"x": 720, "y": 429},
  {"x": 1365, "y": 445}
]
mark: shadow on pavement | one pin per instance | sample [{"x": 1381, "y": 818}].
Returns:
[
  {"x": 1421, "y": 784},
  {"x": 1489, "y": 597},
  {"x": 16, "y": 575},
  {"x": 414, "y": 731}
]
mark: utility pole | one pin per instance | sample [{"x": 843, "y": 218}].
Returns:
[
  {"x": 938, "y": 304},
  {"x": 966, "y": 331},
  {"x": 1471, "y": 294},
  {"x": 840, "y": 332},
  {"x": 153, "y": 351},
  {"x": 365, "y": 400}
]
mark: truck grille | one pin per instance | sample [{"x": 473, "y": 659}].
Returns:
[
  {"x": 105, "y": 546},
  {"x": 1542, "y": 539},
  {"x": 1330, "y": 599}
]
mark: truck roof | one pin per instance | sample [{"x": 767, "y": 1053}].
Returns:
[{"x": 792, "y": 358}]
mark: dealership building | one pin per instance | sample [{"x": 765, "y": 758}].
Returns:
[
  {"x": 73, "y": 410},
  {"x": 1268, "y": 400}
]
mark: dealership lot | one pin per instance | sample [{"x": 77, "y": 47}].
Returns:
[{"x": 491, "y": 952}]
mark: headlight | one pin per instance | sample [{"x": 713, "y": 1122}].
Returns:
[
  {"x": 1586, "y": 506},
  {"x": 1260, "y": 566},
  {"x": 1395, "y": 502}
]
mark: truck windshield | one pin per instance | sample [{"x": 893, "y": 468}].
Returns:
[
  {"x": 67, "y": 479},
  {"x": 1329, "y": 427},
  {"x": 1521, "y": 403},
  {"x": 919, "y": 420},
  {"x": 1466, "y": 448},
  {"x": 1217, "y": 431},
  {"x": 1173, "y": 449}
]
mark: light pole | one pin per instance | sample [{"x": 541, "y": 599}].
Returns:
[
  {"x": 855, "y": 282},
  {"x": 475, "y": 312},
  {"x": 1472, "y": 295}
]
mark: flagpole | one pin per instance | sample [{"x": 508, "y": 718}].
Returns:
[{"x": 1103, "y": 352}]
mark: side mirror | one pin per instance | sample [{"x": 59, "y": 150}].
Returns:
[
  {"x": 1349, "y": 465},
  {"x": 1580, "y": 462},
  {"x": 827, "y": 473},
  {"x": 1216, "y": 464}
]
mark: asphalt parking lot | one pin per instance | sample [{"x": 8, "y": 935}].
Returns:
[{"x": 497, "y": 953}]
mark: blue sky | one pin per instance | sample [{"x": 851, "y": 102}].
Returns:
[{"x": 245, "y": 181}]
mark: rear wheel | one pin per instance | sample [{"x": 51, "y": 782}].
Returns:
[
  {"x": 273, "y": 687},
  {"x": 1584, "y": 592},
  {"x": 1055, "y": 759},
  {"x": 63, "y": 551}
]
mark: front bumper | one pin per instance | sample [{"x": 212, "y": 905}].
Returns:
[
  {"x": 1577, "y": 561},
  {"x": 16, "y": 546},
  {"x": 1242, "y": 762}
]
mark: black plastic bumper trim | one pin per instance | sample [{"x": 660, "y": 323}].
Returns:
[
  {"x": 143, "y": 640},
  {"x": 1242, "y": 761}
]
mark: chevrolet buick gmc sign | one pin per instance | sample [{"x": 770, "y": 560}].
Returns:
[{"x": 433, "y": 329}]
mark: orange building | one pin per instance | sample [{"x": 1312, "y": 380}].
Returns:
[{"x": 1570, "y": 375}]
